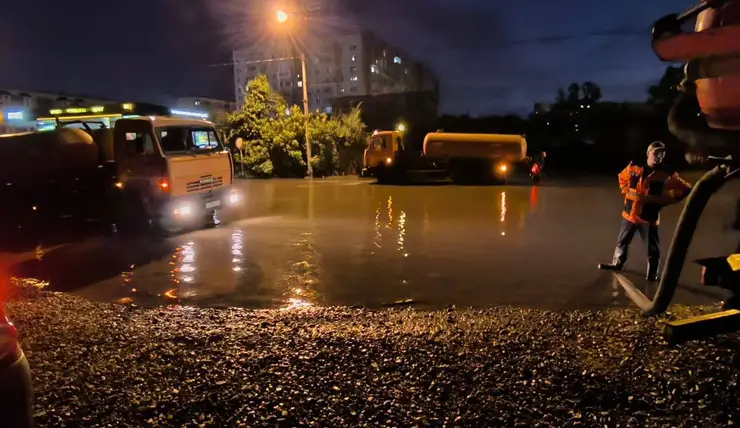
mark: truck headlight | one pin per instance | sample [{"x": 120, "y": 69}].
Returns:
[
  {"x": 234, "y": 198},
  {"x": 183, "y": 210},
  {"x": 389, "y": 160}
]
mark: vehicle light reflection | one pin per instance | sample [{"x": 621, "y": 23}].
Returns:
[
  {"x": 389, "y": 225},
  {"x": 504, "y": 208},
  {"x": 402, "y": 233},
  {"x": 378, "y": 235},
  {"x": 237, "y": 247},
  {"x": 295, "y": 304}
]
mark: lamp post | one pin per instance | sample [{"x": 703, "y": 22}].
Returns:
[{"x": 282, "y": 18}]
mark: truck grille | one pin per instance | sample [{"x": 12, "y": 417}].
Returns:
[{"x": 204, "y": 183}]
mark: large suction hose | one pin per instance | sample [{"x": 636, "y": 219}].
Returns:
[{"x": 697, "y": 200}]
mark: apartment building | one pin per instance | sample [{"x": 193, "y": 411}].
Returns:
[
  {"x": 350, "y": 64},
  {"x": 213, "y": 107}
]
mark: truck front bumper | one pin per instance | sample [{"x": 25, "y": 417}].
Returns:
[{"x": 192, "y": 210}]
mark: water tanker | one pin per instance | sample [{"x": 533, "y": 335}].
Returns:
[
  {"x": 477, "y": 158},
  {"x": 61, "y": 155},
  {"x": 158, "y": 170}
]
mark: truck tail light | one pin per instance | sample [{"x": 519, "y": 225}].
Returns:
[{"x": 163, "y": 185}]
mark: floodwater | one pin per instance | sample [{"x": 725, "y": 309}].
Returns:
[{"x": 350, "y": 242}]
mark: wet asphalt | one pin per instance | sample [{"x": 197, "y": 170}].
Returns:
[{"x": 350, "y": 242}]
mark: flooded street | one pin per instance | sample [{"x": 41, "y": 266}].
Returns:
[{"x": 349, "y": 242}]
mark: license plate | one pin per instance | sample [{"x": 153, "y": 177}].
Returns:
[{"x": 213, "y": 204}]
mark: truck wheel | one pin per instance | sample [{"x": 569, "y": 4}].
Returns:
[
  {"x": 382, "y": 174},
  {"x": 137, "y": 214}
]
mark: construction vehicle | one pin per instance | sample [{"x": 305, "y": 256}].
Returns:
[
  {"x": 707, "y": 118},
  {"x": 155, "y": 171},
  {"x": 463, "y": 158}
]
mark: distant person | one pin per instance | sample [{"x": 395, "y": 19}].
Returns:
[
  {"x": 540, "y": 159},
  {"x": 647, "y": 190}
]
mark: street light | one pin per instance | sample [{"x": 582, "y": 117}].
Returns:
[{"x": 282, "y": 18}]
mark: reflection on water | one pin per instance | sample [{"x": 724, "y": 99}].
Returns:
[
  {"x": 503, "y": 208},
  {"x": 366, "y": 245},
  {"x": 533, "y": 194},
  {"x": 300, "y": 277},
  {"x": 378, "y": 237},
  {"x": 390, "y": 213},
  {"x": 402, "y": 233},
  {"x": 237, "y": 250},
  {"x": 187, "y": 267}
]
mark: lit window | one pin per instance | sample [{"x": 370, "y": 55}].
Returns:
[
  {"x": 328, "y": 110},
  {"x": 374, "y": 69},
  {"x": 353, "y": 78},
  {"x": 354, "y": 58},
  {"x": 300, "y": 84},
  {"x": 397, "y": 60}
]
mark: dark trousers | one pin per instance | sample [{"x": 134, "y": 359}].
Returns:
[{"x": 649, "y": 235}]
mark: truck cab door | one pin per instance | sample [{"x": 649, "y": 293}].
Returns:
[
  {"x": 380, "y": 150},
  {"x": 141, "y": 164}
]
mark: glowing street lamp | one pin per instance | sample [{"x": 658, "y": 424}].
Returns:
[{"x": 282, "y": 18}]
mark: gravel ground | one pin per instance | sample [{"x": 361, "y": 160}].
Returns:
[{"x": 99, "y": 364}]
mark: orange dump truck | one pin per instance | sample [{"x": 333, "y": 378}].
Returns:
[{"x": 463, "y": 158}]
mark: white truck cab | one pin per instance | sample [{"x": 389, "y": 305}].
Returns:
[{"x": 176, "y": 169}]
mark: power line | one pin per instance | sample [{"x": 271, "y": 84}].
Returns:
[
  {"x": 620, "y": 32},
  {"x": 558, "y": 38}
]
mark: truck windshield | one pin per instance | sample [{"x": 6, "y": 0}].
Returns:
[{"x": 175, "y": 139}]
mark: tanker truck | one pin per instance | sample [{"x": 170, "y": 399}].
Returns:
[
  {"x": 155, "y": 171},
  {"x": 462, "y": 158}
]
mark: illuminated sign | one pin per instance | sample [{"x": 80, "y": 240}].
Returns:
[
  {"x": 97, "y": 109},
  {"x": 127, "y": 106},
  {"x": 187, "y": 113},
  {"x": 56, "y": 111},
  {"x": 15, "y": 115},
  {"x": 75, "y": 110}
]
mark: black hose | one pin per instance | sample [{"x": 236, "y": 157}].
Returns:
[{"x": 697, "y": 200}]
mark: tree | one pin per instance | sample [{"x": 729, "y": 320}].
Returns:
[
  {"x": 274, "y": 136},
  {"x": 666, "y": 91},
  {"x": 269, "y": 131},
  {"x": 561, "y": 98},
  {"x": 352, "y": 140},
  {"x": 574, "y": 94},
  {"x": 591, "y": 92}
]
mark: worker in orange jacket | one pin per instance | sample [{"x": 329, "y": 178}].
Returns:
[{"x": 646, "y": 189}]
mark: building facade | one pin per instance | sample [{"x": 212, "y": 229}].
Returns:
[
  {"x": 215, "y": 108},
  {"x": 351, "y": 64},
  {"x": 19, "y": 109}
]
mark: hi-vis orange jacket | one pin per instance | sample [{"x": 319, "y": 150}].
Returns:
[{"x": 662, "y": 182}]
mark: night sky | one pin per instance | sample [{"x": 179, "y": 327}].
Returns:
[{"x": 491, "y": 56}]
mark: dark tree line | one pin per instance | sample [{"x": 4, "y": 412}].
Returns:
[{"x": 580, "y": 131}]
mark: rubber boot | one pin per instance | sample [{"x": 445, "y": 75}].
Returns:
[
  {"x": 611, "y": 266},
  {"x": 652, "y": 271}
]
